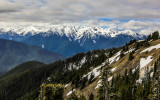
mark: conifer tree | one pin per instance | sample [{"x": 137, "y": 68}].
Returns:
[
  {"x": 91, "y": 96},
  {"x": 131, "y": 57},
  {"x": 122, "y": 54},
  {"x": 82, "y": 97}
]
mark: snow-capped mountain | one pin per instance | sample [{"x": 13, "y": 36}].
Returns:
[
  {"x": 75, "y": 32},
  {"x": 68, "y": 40}
]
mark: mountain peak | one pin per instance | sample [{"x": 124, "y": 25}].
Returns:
[{"x": 70, "y": 31}]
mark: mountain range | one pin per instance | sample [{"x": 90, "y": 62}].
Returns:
[
  {"x": 130, "y": 72},
  {"x": 69, "y": 40}
]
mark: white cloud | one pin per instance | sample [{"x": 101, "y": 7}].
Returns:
[
  {"x": 84, "y": 12},
  {"x": 61, "y": 11},
  {"x": 8, "y": 7},
  {"x": 138, "y": 25},
  {"x": 143, "y": 27}
]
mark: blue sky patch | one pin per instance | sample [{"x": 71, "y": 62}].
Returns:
[{"x": 106, "y": 19}]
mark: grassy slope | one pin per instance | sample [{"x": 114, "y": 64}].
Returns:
[{"x": 121, "y": 65}]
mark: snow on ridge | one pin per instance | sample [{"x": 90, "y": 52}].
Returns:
[
  {"x": 143, "y": 65},
  {"x": 76, "y": 32},
  {"x": 66, "y": 85},
  {"x": 117, "y": 58},
  {"x": 145, "y": 61},
  {"x": 95, "y": 71},
  {"x": 151, "y": 74},
  {"x": 112, "y": 59},
  {"x": 113, "y": 69},
  {"x": 98, "y": 84},
  {"x": 150, "y": 48},
  {"x": 77, "y": 66},
  {"x": 99, "y": 81},
  {"x": 69, "y": 93},
  {"x": 129, "y": 51},
  {"x": 110, "y": 78}
]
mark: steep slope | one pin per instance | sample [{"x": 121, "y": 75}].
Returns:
[
  {"x": 14, "y": 53},
  {"x": 12, "y": 78},
  {"x": 133, "y": 68},
  {"x": 27, "y": 84},
  {"x": 24, "y": 67}
]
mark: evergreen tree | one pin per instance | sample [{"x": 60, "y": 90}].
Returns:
[
  {"x": 149, "y": 37},
  {"x": 131, "y": 57},
  {"x": 137, "y": 46},
  {"x": 155, "y": 35},
  {"x": 82, "y": 97},
  {"x": 84, "y": 80},
  {"x": 91, "y": 96},
  {"x": 101, "y": 93},
  {"x": 51, "y": 92},
  {"x": 91, "y": 78},
  {"x": 121, "y": 54}
]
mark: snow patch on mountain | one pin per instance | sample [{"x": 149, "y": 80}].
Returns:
[
  {"x": 96, "y": 72},
  {"x": 66, "y": 85},
  {"x": 69, "y": 93},
  {"x": 145, "y": 61},
  {"x": 129, "y": 51},
  {"x": 110, "y": 78},
  {"x": 77, "y": 66},
  {"x": 113, "y": 69},
  {"x": 99, "y": 84},
  {"x": 112, "y": 59},
  {"x": 94, "y": 41},
  {"x": 151, "y": 48}
]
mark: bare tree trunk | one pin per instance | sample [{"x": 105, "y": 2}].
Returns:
[
  {"x": 159, "y": 84},
  {"x": 106, "y": 86},
  {"x": 42, "y": 92},
  {"x": 106, "y": 71},
  {"x": 105, "y": 83}
]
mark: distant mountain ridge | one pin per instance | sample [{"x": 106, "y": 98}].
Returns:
[
  {"x": 75, "y": 32},
  {"x": 64, "y": 46},
  {"x": 13, "y": 53}
]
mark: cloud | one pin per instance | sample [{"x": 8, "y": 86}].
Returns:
[
  {"x": 143, "y": 27},
  {"x": 80, "y": 10},
  {"x": 83, "y": 12},
  {"x": 8, "y": 7},
  {"x": 138, "y": 25}
]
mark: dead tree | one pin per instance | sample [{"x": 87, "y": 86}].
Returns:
[
  {"x": 106, "y": 73},
  {"x": 158, "y": 84}
]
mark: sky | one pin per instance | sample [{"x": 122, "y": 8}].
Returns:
[{"x": 135, "y": 15}]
